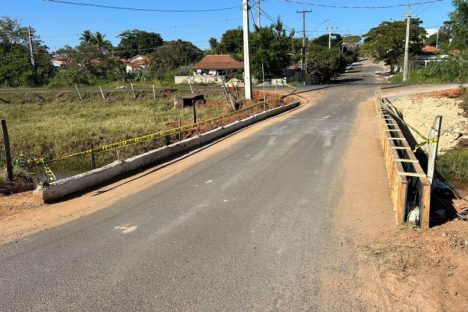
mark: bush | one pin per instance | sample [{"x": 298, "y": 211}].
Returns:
[
  {"x": 450, "y": 70},
  {"x": 325, "y": 64},
  {"x": 453, "y": 165},
  {"x": 66, "y": 77}
]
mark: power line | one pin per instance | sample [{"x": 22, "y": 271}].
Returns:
[
  {"x": 102, "y": 6},
  {"x": 359, "y": 7}
]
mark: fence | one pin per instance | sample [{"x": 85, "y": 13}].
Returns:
[
  {"x": 165, "y": 137},
  {"x": 410, "y": 188}
]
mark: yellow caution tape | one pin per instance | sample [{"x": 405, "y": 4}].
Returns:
[{"x": 156, "y": 135}]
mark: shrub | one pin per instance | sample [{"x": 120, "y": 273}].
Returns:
[{"x": 453, "y": 165}]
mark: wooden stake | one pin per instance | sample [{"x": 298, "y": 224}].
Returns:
[
  {"x": 6, "y": 145},
  {"x": 194, "y": 112},
  {"x": 102, "y": 93},
  {"x": 79, "y": 94},
  {"x": 133, "y": 91},
  {"x": 154, "y": 92}
]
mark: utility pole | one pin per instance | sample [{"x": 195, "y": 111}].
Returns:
[
  {"x": 303, "y": 58},
  {"x": 329, "y": 38},
  {"x": 437, "y": 40},
  {"x": 247, "y": 75},
  {"x": 259, "y": 14},
  {"x": 31, "y": 47},
  {"x": 406, "y": 60}
]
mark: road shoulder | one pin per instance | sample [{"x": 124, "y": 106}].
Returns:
[{"x": 390, "y": 268}]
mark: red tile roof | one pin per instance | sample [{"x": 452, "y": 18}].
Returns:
[
  {"x": 429, "y": 49},
  {"x": 218, "y": 62}
]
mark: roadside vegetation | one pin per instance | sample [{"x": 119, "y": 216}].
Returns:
[{"x": 386, "y": 43}]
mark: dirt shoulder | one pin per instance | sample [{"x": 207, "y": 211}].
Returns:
[
  {"x": 396, "y": 269},
  {"x": 22, "y": 214}
]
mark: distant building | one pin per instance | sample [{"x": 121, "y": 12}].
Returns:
[
  {"x": 137, "y": 63},
  {"x": 211, "y": 69},
  {"x": 430, "y": 54},
  {"x": 58, "y": 61},
  {"x": 216, "y": 65}
]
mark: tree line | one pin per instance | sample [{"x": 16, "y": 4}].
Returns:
[
  {"x": 386, "y": 43},
  {"x": 95, "y": 60}
]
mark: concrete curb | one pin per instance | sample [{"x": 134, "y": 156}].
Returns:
[{"x": 91, "y": 179}]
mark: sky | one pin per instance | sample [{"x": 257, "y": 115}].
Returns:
[{"x": 61, "y": 24}]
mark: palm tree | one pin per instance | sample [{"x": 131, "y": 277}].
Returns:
[
  {"x": 101, "y": 42},
  {"x": 87, "y": 37}
]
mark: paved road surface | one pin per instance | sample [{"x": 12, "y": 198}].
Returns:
[{"x": 243, "y": 230}]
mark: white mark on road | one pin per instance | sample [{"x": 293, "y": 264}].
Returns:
[
  {"x": 225, "y": 200},
  {"x": 209, "y": 181},
  {"x": 326, "y": 117},
  {"x": 126, "y": 229}
]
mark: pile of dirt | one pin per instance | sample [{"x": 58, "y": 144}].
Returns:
[
  {"x": 421, "y": 271},
  {"x": 420, "y": 111}
]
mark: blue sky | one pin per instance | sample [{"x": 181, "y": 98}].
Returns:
[{"x": 60, "y": 24}]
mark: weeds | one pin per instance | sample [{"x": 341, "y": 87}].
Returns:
[{"x": 453, "y": 165}]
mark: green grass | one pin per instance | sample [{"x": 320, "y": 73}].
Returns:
[
  {"x": 453, "y": 165},
  {"x": 58, "y": 125}
]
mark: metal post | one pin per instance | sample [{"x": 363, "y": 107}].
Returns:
[
  {"x": 434, "y": 135},
  {"x": 6, "y": 146},
  {"x": 247, "y": 74},
  {"x": 406, "y": 60}
]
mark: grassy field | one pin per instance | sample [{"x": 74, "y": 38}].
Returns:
[{"x": 51, "y": 125}]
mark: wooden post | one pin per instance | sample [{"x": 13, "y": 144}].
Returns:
[
  {"x": 154, "y": 92},
  {"x": 93, "y": 158},
  {"x": 194, "y": 111},
  {"x": 6, "y": 145},
  {"x": 102, "y": 93},
  {"x": 133, "y": 91},
  {"x": 79, "y": 94},
  {"x": 180, "y": 125},
  {"x": 434, "y": 135}
]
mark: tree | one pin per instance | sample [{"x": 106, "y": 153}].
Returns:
[
  {"x": 351, "y": 42},
  {"x": 15, "y": 64},
  {"x": 134, "y": 42},
  {"x": 172, "y": 55},
  {"x": 387, "y": 41},
  {"x": 323, "y": 40},
  {"x": 213, "y": 43},
  {"x": 88, "y": 38},
  {"x": 459, "y": 21},
  {"x": 89, "y": 62},
  {"x": 271, "y": 47},
  {"x": 231, "y": 43},
  {"x": 324, "y": 64},
  {"x": 444, "y": 39}
]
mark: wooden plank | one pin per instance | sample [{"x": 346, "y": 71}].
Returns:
[
  {"x": 411, "y": 174},
  {"x": 406, "y": 160}
]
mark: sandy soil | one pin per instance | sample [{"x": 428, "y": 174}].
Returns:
[
  {"x": 420, "y": 110},
  {"x": 21, "y": 214},
  {"x": 397, "y": 269}
]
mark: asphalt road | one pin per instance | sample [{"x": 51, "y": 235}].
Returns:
[{"x": 244, "y": 230}]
